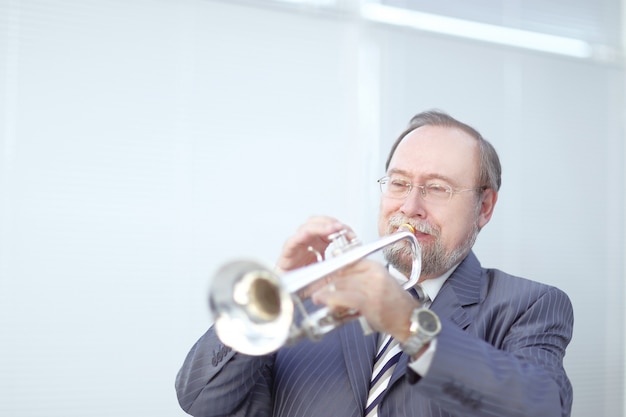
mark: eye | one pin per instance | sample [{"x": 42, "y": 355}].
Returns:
[
  {"x": 438, "y": 190},
  {"x": 398, "y": 185}
]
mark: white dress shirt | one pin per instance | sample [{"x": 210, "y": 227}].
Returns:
[{"x": 431, "y": 288}]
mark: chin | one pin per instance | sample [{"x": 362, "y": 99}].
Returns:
[{"x": 400, "y": 257}]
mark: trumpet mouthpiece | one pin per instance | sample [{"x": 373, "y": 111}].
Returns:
[{"x": 407, "y": 227}]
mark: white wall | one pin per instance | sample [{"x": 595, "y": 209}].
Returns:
[{"x": 143, "y": 143}]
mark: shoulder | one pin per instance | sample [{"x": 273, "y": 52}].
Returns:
[
  {"x": 500, "y": 281},
  {"x": 474, "y": 284},
  {"x": 525, "y": 296}
]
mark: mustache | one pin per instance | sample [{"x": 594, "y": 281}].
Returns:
[{"x": 397, "y": 220}]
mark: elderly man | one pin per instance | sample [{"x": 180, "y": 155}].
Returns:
[{"x": 469, "y": 341}]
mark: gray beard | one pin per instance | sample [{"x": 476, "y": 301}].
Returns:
[{"x": 435, "y": 259}]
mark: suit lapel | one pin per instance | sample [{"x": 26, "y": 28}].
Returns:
[{"x": 463, "y": 288}]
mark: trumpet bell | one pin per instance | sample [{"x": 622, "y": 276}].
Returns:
[{"x": 255, "y": 312}]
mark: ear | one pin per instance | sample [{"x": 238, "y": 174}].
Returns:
[{"x": 487, "y": 204}]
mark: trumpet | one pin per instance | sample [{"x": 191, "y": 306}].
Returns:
[{"x": 255, "y": 308}]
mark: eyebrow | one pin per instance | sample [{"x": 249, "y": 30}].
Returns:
[{"x": 429, "y": 176}]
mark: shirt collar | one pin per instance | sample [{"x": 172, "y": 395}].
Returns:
[{"x": 431, "y": 286}]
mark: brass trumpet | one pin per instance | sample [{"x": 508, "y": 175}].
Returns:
[{"x": 255, "y": 308}]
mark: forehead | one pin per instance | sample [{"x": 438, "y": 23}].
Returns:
[{"x": 435, "y": 151}]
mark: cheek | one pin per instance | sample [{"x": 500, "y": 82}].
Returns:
[{"x": 455, "y": 230}]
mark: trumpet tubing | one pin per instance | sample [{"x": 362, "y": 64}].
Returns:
[{"x": 254, "y": 307}]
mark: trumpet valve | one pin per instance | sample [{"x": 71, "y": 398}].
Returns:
[{"x": 339, "y": 242}]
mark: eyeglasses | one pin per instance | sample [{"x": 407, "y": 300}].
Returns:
[{"x": 401, "y": 188}]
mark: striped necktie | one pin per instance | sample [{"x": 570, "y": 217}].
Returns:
[{"x": 387, "y": 357}]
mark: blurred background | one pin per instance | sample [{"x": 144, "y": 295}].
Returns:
[{"x": 145, "y": 142}]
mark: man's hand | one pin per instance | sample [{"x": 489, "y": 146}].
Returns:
[
  {"x": 312, "y": 234},
  {"x": 367, "y": 287}
]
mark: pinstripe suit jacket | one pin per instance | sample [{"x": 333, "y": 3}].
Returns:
[{"x": 500, "y": 353}]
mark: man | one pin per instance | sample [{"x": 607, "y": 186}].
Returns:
[{"x": 491, "y": 344}]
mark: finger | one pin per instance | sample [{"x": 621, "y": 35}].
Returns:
[
  {"x": 315, "y": 286},
  {"x": 312, "y": 234},
  {"x": 335, "y": 298},
  {"x": 320, "y": 228}
]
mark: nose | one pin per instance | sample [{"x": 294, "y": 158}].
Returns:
[{"x": 413, "y": 204}]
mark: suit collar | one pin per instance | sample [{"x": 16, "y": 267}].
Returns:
[{"x": 463, "y": 288}]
